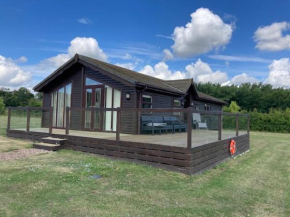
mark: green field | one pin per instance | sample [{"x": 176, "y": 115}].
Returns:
[{"x": 59, "y": 184}]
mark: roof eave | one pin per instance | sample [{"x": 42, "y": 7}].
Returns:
[
  {"x": 61, "y": 69},
  {"x": 158, "y": 89}
]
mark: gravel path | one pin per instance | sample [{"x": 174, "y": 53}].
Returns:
[{"x": 19, "y": 154}]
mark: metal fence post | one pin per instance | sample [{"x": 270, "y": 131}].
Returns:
[
  {"x": 220, "y": 127},
  {"x": 50, "y": 119},
  {"x": 28, "y": 119},
  {"x": 237, "y": 125},
  {"x": 9, "y": 118},
  {"x": 189, "y": 128},
  {"x": 118, "y": 124},
  {"x": 67, "y": 122}
]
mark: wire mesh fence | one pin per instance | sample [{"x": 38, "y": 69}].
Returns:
[
  {"x": 168, "y": 126},
  {"x": 228, "y": 126},
  {"x": 18, "y": 120}
]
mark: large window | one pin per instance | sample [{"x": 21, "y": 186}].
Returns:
[
  {"x": 146, "y": 101},
  {"x": 61, "y": 99},
  {"x": 90, "y": 82}
]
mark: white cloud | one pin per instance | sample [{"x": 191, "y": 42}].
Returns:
[
  {"x": 270, "y": 38},
  {"x": 167, "y": 55},
  {"x": 85, "y": 46},
  {"x": 22, "y": 59},
  {"x": 205, "y": 32},
  {"x": 279, "y": 73},
  {"x": 164, "y": 36},
  {"x": 11, "y": 75},
  {"x": 161, "y": 70},
  {"x": 243, "y": 78},
  {"x": 54, "y": 62},
  {"x": 239, "y": 58},
  {"x": 201, "y": 72},
  {"x": 127, "y": 57},
  {"x": 88, "y": 47},
  {"x": 85, "y": 20}
]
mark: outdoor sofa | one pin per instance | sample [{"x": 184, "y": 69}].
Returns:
[{"x": 150, "y": 124}]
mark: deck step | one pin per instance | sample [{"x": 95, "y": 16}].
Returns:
[
  {"x": 51, "y": 140},
  {"x": 47, "y": 146}
]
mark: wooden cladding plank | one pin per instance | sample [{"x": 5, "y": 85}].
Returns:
[
  {"x": 137, "y": 156},
  {"x": 213, "y": 144},
  {"x": 219, "y": 145},
  {"x": 142, "y": 151},
  {"x": 223, "y": 151}
]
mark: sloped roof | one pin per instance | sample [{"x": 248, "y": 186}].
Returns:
[
  {"x": 210, "y": 98},
  {"x": 177, "y": 86},
  {"x": 131, "y": 75},
  {"x": 182, "y": 84}
]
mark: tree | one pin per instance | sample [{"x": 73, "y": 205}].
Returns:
[
  {"x": 34, "y": 103},
  {"x": 2, "y": 106},
  {"x": 233, "y": 108},
  {"x": 39, "y": 96},
  {"x": 23, "y": 95}
]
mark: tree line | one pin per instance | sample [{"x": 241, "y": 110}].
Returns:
[
  {"x": 268, "y": 107},
  {"x": 250, "y": 97},
  {"x": 18, "y": 98}
]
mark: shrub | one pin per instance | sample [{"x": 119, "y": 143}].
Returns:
[{"x": 2, "y": 106}]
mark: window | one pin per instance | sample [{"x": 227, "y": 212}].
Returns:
[
  {"x": 90, "y": 82},
  {"x": 176, "y": 104},
  {"x": 146, "y": 101},
  {"x": 206, "y": 107},
  {"x": 60, "y": 99}
]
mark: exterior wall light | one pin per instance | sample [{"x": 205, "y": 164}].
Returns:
[{"x": 128, "y": 96}]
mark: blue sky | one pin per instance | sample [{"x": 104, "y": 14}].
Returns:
[{"x": 222, "y": 45}]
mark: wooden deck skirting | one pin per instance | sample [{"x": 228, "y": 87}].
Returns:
[{"x": 189, "y": 161}]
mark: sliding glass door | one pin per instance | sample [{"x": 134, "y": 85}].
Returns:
[
  {"x": 113, "y": 100},
  {"x": 59, "y": 101}
]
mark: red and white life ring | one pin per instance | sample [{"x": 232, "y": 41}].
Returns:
[{"x": 233, "y": 147}]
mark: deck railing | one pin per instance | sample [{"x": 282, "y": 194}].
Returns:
[{"x": 218, "y": 122}]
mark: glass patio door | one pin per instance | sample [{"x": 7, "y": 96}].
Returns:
[{"x": 93, "y": 99}]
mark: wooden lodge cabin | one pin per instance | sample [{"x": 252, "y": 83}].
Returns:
[
  {"x": 83, "y": 82},
  {"x": 97, "y": 107}
]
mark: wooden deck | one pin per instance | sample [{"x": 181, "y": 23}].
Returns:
[
  {"x": 199, "y": 137},
  {"x": 166, "y": 151}
]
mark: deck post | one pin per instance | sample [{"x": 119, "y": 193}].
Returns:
[
  {"x": 189, "y": 127},
  {"x": 67, "y": 121},
  {"x": 28, "y": 119},
  {"x": 9, "y": 118},
  {"x": 220, "y": 127},
  {"x": 118, "y": 124},
  {"x": 50, "y": 119},
  {"x": 237, "y": 125},
  {"x": 248, "y": 128}
]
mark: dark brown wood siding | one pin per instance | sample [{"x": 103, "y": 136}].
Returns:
[
  {"x": 209, "y": 155},
  {"x": 200, "y": 105},
  {"x": 128, "y": 119},
  {"x": 46, "y": 114},
  {"x": 74, "y": 76}
]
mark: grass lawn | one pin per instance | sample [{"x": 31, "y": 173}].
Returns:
[
  {"x": 58, "y": 184},
  {"x": 3, "y": 125}
]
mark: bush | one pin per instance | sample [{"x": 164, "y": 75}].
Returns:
[
  {"x": 2, "y": 106},
  {"x": 274, "y": 121}
]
